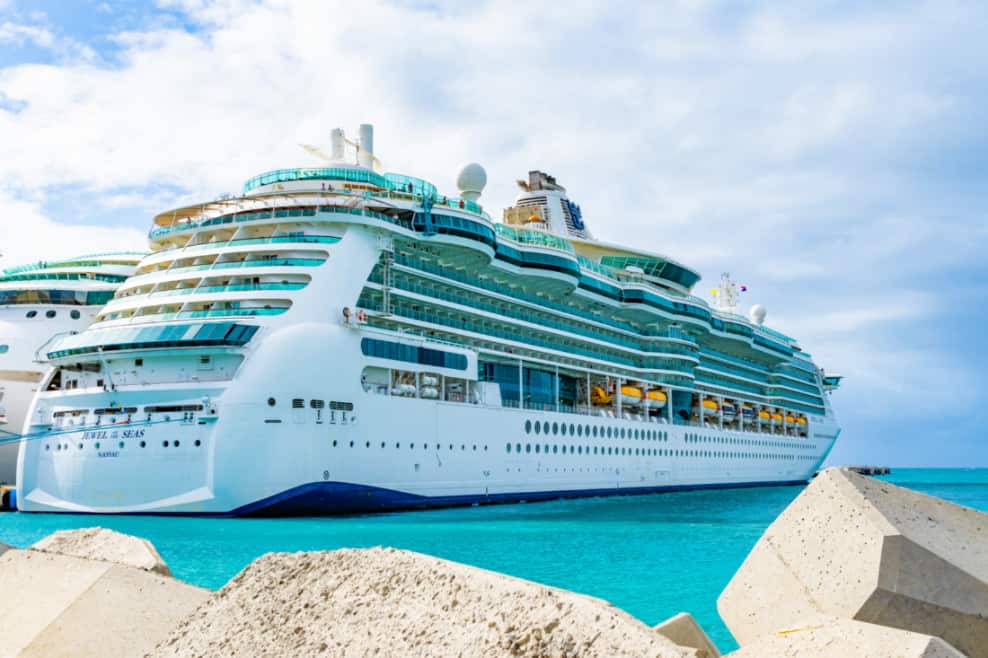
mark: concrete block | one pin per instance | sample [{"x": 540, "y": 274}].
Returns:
[
  {"x": 60, "y": 605},
  {"x": 683, "y": 630},
  {"x": 845, "y": 638},
  {"x": 107, "y": 545},
  {"x": 854, "y": 547},
  {"x": 386, "y": 602}
]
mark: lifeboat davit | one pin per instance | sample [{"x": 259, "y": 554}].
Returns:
[
  {"x": 599, "y": 395},
  {"x": 656, "y": 399}
]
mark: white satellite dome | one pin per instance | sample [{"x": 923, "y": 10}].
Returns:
[
  {"x": 757, "y": 314},
  {"x": 471, "y": 181}
]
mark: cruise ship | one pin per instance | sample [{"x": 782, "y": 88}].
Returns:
[
  {"x": 337, "y": 340},
  {"x": 39, "y": 303}
]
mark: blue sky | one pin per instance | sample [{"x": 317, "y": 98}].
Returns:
[{"x": 831, "y": 155}]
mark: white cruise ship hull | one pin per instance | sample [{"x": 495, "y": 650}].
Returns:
[{"x": 390, "y": 453}]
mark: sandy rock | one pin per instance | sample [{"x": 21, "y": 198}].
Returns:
[
  {"x": 386, "y": 602},
  {"x": 845, "y": 638},
  {"x": 59, "y": 605},
  {"x": 107, "y": 545},
  {"x": 683, "y": 630},
  {"x": 4, "y": 548},
  {"x": 858, "y": 548}
]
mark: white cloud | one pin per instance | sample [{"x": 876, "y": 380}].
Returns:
[{"x": 27, "y": 235}]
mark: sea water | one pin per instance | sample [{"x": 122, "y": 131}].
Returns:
[{"x": 653, "y": 556}]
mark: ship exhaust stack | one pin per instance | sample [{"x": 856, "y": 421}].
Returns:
[
  {"x": 337, "y": 143},
  {"x": 365, "y": 154}
]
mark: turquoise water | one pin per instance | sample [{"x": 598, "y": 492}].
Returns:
[{"x": 652, "y": 556}]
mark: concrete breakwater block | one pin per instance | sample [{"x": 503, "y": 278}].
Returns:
[
  {"x": 845, "y": 638},
  {"x": 4, "y": 548},
  {"x": 854, "y": 547},
  {"x": 387, "y": 602},
  {"x": 683, "y": 630},
  {"x": 107, "y": 545},
  {"x": 59, "y": 605}
]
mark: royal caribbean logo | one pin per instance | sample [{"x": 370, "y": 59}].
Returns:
[{"x": 576, "y": 214}]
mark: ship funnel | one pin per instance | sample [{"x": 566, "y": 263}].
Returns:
[
  {"x": 365, "y": 156},
  {"x": 337, "y": 144}
]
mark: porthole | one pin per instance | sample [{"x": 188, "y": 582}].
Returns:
[
  {"x": 75, "y": 314},
  {"x": 96, "y": 445},
  {"x": 30, "y": 314},
  {"x": 595, "y": 431},
  {"x": 562, "y": 429},
  {"x": 571, "y": 429},
  {"x": 507, "y": 447},
  {"x": 517, "y": 447},
  {"x": 538, "y": 448},
  {"x": 4, "y": 349},
  {"x": 579, "y": 430},
  {"x": 555, "y": 428},
  {"x": 198, "y": 443},
  {"x": 367, "y": 445},
  {"x": 538, "y": 427},
  {"x": 528, "y": 427},
  {"x": 351, "y": 444},
  {"x": 177, "y": 444},
  {"x": 47, "y": 446},
  {"x": 50, "y": 314},
  {"x": 272, "y": 402},
  {"x": 555, "y": 450},
  {"x": 143, "y": 444},
  {"x": 528, "y": 447},
  {"x": 164, "y": 444}
]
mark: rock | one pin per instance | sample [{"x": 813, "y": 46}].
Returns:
[
  {"x": 4, "y": 548},
  {"x": 386, "y": 602},
  {"x": 858, "y": 548},
  {"x": 844, "y": 638},
  {"x": 683, "y": 630},
  {"x": 59, "y": 605},
  {"x": 107, "y": 545}
]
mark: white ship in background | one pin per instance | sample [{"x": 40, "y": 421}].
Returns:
[
  {"x": 339, "y": 340},
  {"x": 39, "y": 302}
]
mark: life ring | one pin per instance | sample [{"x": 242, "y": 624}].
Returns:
[{"x": 361, "y": 316}]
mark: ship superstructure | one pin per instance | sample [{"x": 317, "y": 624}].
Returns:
[
  {"x": 39, "y": 303},
  {"x": 338, "y": 339}
]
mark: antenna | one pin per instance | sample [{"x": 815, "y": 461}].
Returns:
[{"x": 726, "y": 295}]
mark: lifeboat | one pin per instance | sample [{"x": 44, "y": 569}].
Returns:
[
  {"x": 764, "y": 415},
  {"x": 631, "y": 396},
  {"x": 748, "y": 414},
  {"x": 729, "y": 410},
  {"x": 404, "y": 390},
  {"x": 790, "y": 419},
  {"x": 430, "y": 380},
  {"x": 710, "y": 409},
  {"x": 656, "y": 399},
  {"x": 801, "y": 421},
  {"x": 429, "y": 392},
  {"x": 777, "y": 417}
]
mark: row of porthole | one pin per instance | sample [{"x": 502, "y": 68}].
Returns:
[
  {"x": 411, "y": 446},
  {"x": 121, "y": 445},
  {"x": 74, "y": 314},
  {"x": 729, "y": 440},
  {"x": 647, "y": 452},
  {"x": 573, "y": 429}
]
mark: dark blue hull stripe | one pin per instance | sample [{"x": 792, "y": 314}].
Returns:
[{"x": 329, "y": 498}]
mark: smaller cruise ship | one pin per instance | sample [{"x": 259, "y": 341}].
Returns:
[{"x": 38, "y": 303}]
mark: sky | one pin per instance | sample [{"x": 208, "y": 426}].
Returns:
[{"x": 831, "y": 155}]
